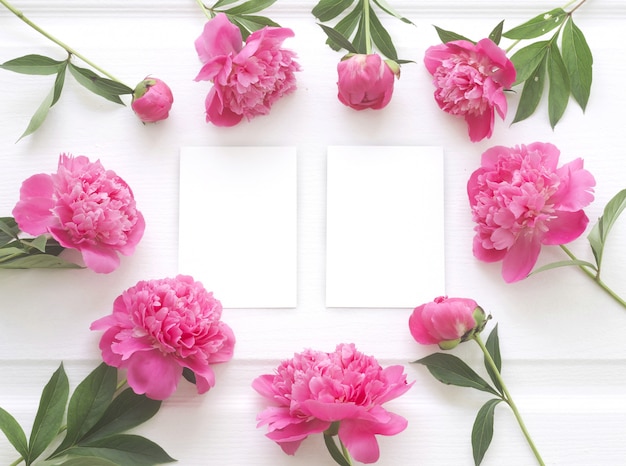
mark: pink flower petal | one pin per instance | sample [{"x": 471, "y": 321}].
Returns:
[
  {"x": 520, "y": 258},
  {"x": 153, "y": 373},
  {"x": 219, "y": 37}
]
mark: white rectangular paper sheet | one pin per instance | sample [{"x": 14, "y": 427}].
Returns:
[
  {"x": 385, "y": 226},
  {"x": 238, "y": 224}
]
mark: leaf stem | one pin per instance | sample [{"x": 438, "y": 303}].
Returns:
[
  {"x": 508, "y": 399},
  {"x": 17, "y": 461},
  {"x": 366, "y": 20},
  {"x": 47, "y": 35},
  {"x": 575, "y": 8},
  {"x": 207, "y": 12},
  {"x": 345, "y": 452},
  {"x": 596, "y": 278}
]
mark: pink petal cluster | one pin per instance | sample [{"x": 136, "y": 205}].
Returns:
[
  {"x": 160, "y": 327},
  {"x": 247, "y": 78},
  {"x": 446, "y": 321},
  {"x": 365, "y": 81},
  {"x": 152, "y": 100},
  {"x": 469, "y": 80},
  {"x": 315, "y": 389},
  {"x": 84, "y": 207},
  {"x": 520, "y": 200}
]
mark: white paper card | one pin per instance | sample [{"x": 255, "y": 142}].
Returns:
[
  {"x": 385, "y": 226},
  {"x": 238, "y": 223}
]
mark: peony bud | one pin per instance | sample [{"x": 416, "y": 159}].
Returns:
[
  {"x": 152, "y": 100},
  {"x": 366, "y": 81},
  {"x": 447, "y": 321}
]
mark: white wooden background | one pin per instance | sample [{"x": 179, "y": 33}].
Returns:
[{"x": 562, "y": 340}]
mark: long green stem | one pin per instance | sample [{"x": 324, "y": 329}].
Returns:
[
  {"x": 366, "y": 20},
  {"x": 66, "y": 47},
  {"x": 508, "y": 399},
  {"x": 596, "y": 278},
  {"x": 17, "y": 461},
  {"x": 346, "y": 453}
]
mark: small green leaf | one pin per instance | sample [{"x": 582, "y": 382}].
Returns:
[
  {"x": 493, "y": 348},
  {"x": 250, "y": 23},
  {"x": 49, "y": 415},
  {"x": 107, "y": 88},
  {"x": 565, "y": 263},
  {"x": 39, "y": 243},
  {"x": 127, "y": 410},
  {"x": 326, "y": 10},
  {"x": 86, "y": 461},
  {"x": 14, "y": 433},
  {"x": 449, "y": 36},
  {"x": 58, "y": 85},
  {"x": 338, "y": 38},
  {"x": 39, "y": 261},
  {"x": 8, "y": 230},
  {"x": 346, "y": 26},
  {"x": 537, "y": 26},
  {"x": 124, "y": 449},
  {"x": 383, "y": 5},
  {"x": 482, "y": 432},
  {"x": 361, "y": 40},
  {"x": 450, "y": 370},
  {"x": 221, "y": 3},
  {"x": 249, "y": 7},
  {"x": 600, "y": 231},
  {"x": 558, "y": 95},
  {"x": 531, "y": 93},
  {"x": 381, "y": 38},
  {"x": 88, "y": 403},
  {"x": 334, "y": 451},
  {"x": 34, "y": 64},
  {"x": 578, "y": 61},
  {"x": 496, "y": 34},
  {"x": 40, "y": 115},
  {"x": 527, "y": 59}
]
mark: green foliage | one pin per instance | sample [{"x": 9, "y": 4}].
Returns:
[
  {"x": 96, "y": 420},
  {"x": 358, "y": 28},
  {"x": 482, "y": 431},
  {"x": 23, "y": 253},
  {"x": 334, "y": 450},
  {"x": 243, "y": 14},
  {"x": 600, "y": 231}
]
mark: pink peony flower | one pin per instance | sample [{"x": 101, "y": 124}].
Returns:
[
  {"x": 152, "y": 100},
  {"x": 315, "y": 390},
  {"x": 247, "y": 79},
  {"x": 521, "y": 200},
  {"x": 160, "y": 327},
  {"x": 366, "y": 81},
  {"x": 470, "y": 79},
  {"x": 84, "y": 207},
  {"x": 446, "y": 321}
]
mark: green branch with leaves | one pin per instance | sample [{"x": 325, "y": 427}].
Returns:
[{"x": 242, "y": 14}]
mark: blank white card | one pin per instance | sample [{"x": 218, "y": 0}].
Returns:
[
  {"x": 238, "y": 223},
  {"x": 385, "y": 226}
]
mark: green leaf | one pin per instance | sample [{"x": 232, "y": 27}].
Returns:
[
  {"x": 361, "y": 41},
  {"x": 34, "y": 64},
  {"x": 39, "y": 261},
  {"x": 14, "y": 433},
  {"x": 338, "y": 38},
  {"x": 86, "y": 461},
  {"x": 40, "y": 115},
  {"x": 449, "y": 36},
  {"x": 496, "y": 34},
  {"x": 58, "y": 85},
  {"x": 124, "y": 450},
  {"x": 39, "y": 243},
  {"x": 578, "y": 61},
  {"x": 107, "y": 88},
  {"x": 565, "y": 263},
  {"x": 251, "y": 6},
  {"x": 346, "y": 26},
  {"x": 450, "y": 370},
  {"x": 383, "y": 5},
  {"x": 531, "y": 93},
  {"x": 600, "y": 231},
  {"x": 88, "y": 403},
  {"x": 49, "y": 415},
  {"x": 251, "y": 23},
  {"x": 527, "y": 59},
  {"x": 537, "y": 26},
  {"x": 482, "y": 432},
  {"x": 558, "y": 95},
  {"x": 493, "y": 348},
  {"x": 381, "y": 38},
  {"x": 8, "y": 230},
  {"x": 334, "y": 451},
  {"x": 127, "y": 410},
  {"x": 221, "y": 3},
  {"x": 326, "y": 10}
]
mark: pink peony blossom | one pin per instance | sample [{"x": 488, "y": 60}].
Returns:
[
  {"x": 521, "y": 200},
  {"x": 152, "y": 100},
  {"x": 247, "y": 78},
  {"x": 159, "y": 327},
  {"x": 315, "y": 390},
  {"x": 446, "y": 321},
  {"x": 84, "y": 207},
  {"x": 366, "y": 81},
  {"x": 470, "y": 79}
]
